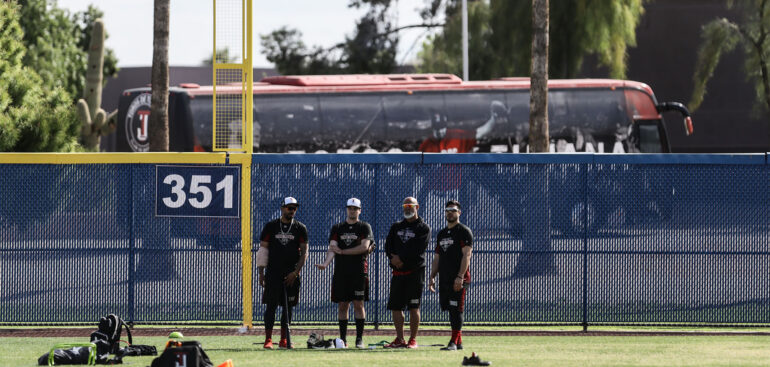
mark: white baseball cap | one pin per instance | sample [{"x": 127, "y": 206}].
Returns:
[
  {"x": 289, "y": 201},
  {"x": 354, "y": 202}
]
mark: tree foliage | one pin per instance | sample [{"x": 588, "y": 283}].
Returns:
[
  {"x": 722, "y": 35},
  {"x": 604, "y": 28},
  {"x": 32, "y": 118},
  {"x": 57, "y": 44},
  {"x": 371, "y": 49}
]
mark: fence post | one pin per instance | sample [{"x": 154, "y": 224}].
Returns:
[
  {"x": 585, "y": 247},
  {"x": 131, "y": 254},
  {"x": 376, "y": 255}
]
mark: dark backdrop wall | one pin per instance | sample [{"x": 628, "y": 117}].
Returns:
[{"x": 668, "y": 39}]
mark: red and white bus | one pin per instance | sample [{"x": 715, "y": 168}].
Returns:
[{"x": 413, "y": 112}]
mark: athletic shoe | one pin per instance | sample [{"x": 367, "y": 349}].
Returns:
[
  {"x": 360, "y": 343},
  {"x": 412, "y": 344},
  {"x": 397, "y": 343},
  {"x": 450, "y": 346},
  {"x": 460, "y": 346},
  {"x": 283, "y": 344},
  {"x": 268, "y": 344},
  {"x": 474, "y": 360}
]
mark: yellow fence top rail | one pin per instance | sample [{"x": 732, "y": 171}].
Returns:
[{"x": 111, "y": 158}]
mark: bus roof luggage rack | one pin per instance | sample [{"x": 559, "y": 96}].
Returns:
[{"x": 361, "y": 79}]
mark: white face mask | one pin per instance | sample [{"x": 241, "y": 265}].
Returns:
[{"x": 410, "y": 215}]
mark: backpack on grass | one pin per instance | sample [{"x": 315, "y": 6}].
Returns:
[{"x": 184, "y": 354}]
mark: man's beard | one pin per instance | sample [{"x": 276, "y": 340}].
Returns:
[{"x": 410, "y": 215}]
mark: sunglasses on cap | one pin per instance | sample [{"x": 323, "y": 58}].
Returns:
[
  {"x": 409, "y": 205},
  {"x": 450, "y": 210}
]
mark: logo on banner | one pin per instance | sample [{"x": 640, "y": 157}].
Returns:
[{"x": 137, "y": 121}]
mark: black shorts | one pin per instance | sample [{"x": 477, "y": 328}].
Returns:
[
  {"x": 406, "y": 290},
  {"x": 350, "y": 287},
  {"x": 273, "y": 293},
  {"x": 449, "y": 299}
]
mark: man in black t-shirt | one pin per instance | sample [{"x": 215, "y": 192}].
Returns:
[
  {"x": 405, "y": 247},
  {"x": 452, "y": 262},
  {"x": 349, "y": 244},
  {"x": 282, "y": 253}
]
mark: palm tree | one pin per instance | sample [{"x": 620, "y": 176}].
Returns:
[
  {"x": 537, "y": 259},
  {"x": 158, "y": 124}
]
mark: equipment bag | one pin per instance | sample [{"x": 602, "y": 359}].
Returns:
[
  {"x": 110, "y": 330},
  {"x": 187, "y": 354}
]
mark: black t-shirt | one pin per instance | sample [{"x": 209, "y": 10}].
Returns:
[
  {"x": 408, "y": 240},
  {"x": 349, "y": 236},
  {"x": 283, "y": 242},
  {"x": 449, "y": 245}
]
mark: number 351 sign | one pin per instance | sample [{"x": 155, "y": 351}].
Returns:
[{"x": 197, "y": 191}]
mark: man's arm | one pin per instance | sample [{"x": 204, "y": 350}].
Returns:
[
  {"x": 496, "y": 109},
  {"x": 464, "y": 264},
  {"x": 300, "y": 263},
  {"x": 261, "y": 269},
  {"x": 362, "y": 248},
  {"x": 434, "y": 272},
  {"x": 329, "y": 256},
  {"x": 395, "y": 260}
]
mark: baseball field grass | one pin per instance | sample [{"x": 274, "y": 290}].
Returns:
[{"x": 573, "y": 350}]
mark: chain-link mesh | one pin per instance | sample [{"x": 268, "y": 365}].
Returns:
[
  {"x": 679, "y": 244},
  {"x": 231, "y": 64},
  {"x": 229, "y": 30},
  {"x": 554, "y": 242},
  {"x": 228, "y": 123},
  {"x": 81, "y": 241}
]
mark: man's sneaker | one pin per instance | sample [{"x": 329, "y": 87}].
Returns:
[
  {"x": 268, "y": 344},
  {"x": 450, "y": 346},
  {"x": 460, "y": 346},
  {"x": 474, "y": 360},
  {"x": 397, "y": 343},
  {"x": 360, "y": 343},
  {"x": 283, "y": 344},
  {"x": 412, "y": 344}
]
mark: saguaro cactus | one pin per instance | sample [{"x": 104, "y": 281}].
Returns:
[{"x": 95, "y": 122}]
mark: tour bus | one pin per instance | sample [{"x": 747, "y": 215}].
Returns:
[
  {"x": 428, "y": 113},
  {"x": 411, "y": 112}
]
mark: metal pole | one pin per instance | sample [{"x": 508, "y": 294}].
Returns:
[{"x": 465, "y": 40}]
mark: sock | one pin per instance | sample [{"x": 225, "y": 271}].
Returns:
[
  {"x": 360, "y": 328},
  {"x": 269, "y": 320},
  {"x": 343, "y": 330},
  {"x": 459, "y": 337},
  {"x": 453, "y": 339}
]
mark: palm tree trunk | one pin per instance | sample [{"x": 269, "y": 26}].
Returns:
[
  {"x": 536, "y": 258},
  {"x": 158, "y": 128},
  {"x": 538, "y": 99}
]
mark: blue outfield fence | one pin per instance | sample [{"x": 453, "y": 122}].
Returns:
[{"x": 569, "y": 239}]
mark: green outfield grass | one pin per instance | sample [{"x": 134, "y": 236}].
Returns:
[{"x": 738, "y": 350}]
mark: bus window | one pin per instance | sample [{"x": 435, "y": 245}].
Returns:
[
  {"x": 647, "y": 134},
  {"x": 412, "y": 117},
  {"x": 289, "y": 122},
  {"x": 481, "y": 115},
  {"x": 352, "y": 122}
]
